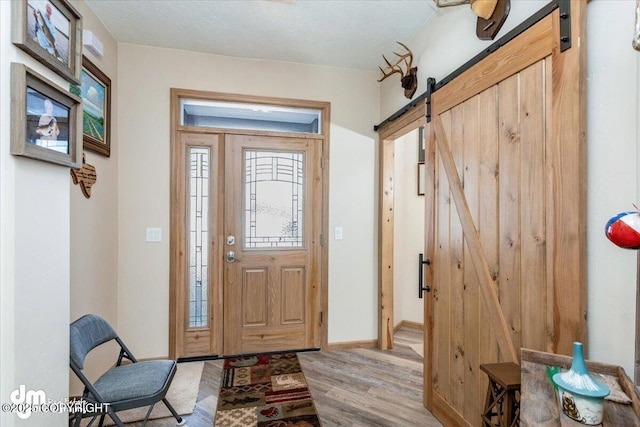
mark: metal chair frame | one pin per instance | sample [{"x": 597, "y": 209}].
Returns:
[{"x": 93, "y": 396}]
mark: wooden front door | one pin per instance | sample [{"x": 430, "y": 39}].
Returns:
[
  {"x": 272, "y": 235},
  {"x": 505, "y": 222},
  {"x": 249, "y": 265}
]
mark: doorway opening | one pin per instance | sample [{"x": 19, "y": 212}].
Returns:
[
  {"x": 412, "y": 121},
  {"x": 408, "y": 233}
]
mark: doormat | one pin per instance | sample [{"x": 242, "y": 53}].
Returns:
[{"x": 265, "y": 390}]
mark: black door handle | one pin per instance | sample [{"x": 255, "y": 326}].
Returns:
[{"x": 421, "y": 262}]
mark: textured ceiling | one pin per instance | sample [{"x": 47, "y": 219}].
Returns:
[{"x": 339, "y": 33}]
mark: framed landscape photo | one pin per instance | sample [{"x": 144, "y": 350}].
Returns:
[
  {"x": 46, "y": 122},
  {"x": 51, "y": 32},
  {"x": 95, "y": 91}
]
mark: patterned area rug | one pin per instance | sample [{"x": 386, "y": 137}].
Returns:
[{"x": 266, "y": 390}]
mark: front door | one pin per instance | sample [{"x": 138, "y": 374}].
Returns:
[
  {"x": 246, "y": 239},
  {"x": 272, "y": 247},
  {"x": 249, "y": 265}
]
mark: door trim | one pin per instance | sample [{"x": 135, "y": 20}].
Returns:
[{"x": 177, "y": 310}]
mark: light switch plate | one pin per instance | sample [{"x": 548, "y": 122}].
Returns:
[
  {"x": 337, "y": 233},
  {"x": 154, "y": 234}
]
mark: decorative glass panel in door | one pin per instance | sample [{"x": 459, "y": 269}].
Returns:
[
  {"x": 198, "y": 226},
  {"x": 274, "y": 199}
]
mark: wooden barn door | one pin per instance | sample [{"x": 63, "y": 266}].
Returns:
[{"x": 505, "y": 229}]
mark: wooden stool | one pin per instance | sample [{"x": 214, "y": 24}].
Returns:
[{"x": 502, "y": 407}]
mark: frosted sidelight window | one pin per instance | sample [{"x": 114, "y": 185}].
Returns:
[
  {"x": 198, "y": 228},
  {"x": 274, "y": 199}
]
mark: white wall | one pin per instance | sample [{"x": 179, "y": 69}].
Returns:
[
  {"x": 408, "y": 238},
  {"x": 34, "y": 258},
  {"x": 94, "y": 230},
  {"x": 448, "y": 40},
  {"x": 145, "y": 76},
  {"x": 353, "y": 261},
  {"x": 612, "y": 177},
  {"x": 57, "y": 249},
  {"x": 7, "y": 335}
]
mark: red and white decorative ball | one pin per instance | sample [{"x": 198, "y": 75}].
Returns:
[{"x": 623, "y": 230}]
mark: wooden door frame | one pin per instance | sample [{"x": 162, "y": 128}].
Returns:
[
  {"x": 388, "y": 133},
  {"x": 177, "y": 310}
]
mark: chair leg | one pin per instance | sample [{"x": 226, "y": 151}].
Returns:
[
  {"x": 178, "y": 418},
  {"x": 77, "y": 418},
  {"x": 146, "y": 417},
  {"x": 115, "y": 418}
]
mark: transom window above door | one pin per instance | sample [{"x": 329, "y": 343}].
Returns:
[{"x": 238, "y": 115}]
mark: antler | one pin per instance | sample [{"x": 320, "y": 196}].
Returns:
[{"x": 395, "y": 67}]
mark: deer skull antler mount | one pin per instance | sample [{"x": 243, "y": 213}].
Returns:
[{"x": 409, "y": 76}]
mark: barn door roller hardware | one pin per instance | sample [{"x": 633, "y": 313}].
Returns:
[
  {"x": 422, "y": 262},
  {"x": 565, "y": 24},
  {"x": 431, "y": 86}
]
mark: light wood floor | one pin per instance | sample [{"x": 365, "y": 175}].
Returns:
[{"x": 355, "y": 388}]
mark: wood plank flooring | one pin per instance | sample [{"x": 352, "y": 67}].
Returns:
[{"x": 355, "y": 388}]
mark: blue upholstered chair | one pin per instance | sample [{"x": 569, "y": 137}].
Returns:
[{"x": 127, "y": 386}]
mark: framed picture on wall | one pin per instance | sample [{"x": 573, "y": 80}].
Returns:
[
  {"x": 95, "y": 91},
  {"x": 45, "y": 121},
  {"x": 51, "y": 32},
  {"x": 422, "y": 177}
]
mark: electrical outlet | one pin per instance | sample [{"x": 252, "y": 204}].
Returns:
[{"x": 154, "y": 234}]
